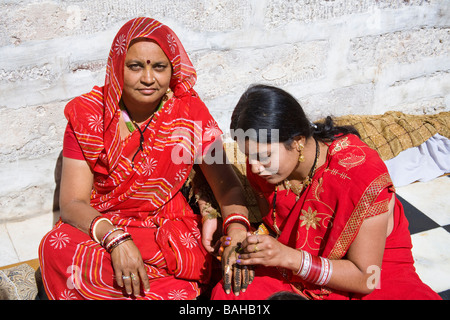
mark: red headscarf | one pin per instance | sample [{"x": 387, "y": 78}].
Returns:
[
  {"x": 183, "y": 72},
  {"x": 183, "y": 124}
]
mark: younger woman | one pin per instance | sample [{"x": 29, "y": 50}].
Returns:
[{"x": 337, "y": 229}]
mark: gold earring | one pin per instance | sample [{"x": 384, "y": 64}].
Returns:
[
  {"x": 166, "y": 95},
  {"x": 301, "y": 157}
]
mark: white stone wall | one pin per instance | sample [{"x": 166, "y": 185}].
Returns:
[{"x": 336, "y": 56}]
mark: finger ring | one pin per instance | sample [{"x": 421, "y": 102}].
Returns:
[
  {"x": 133, "y": 277},
  {"x": 256, "y": 249},
  {"x": 227, "y": 268},
  {"x": 125, "y": 277}
]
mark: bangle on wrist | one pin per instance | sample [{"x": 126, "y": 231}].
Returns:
[
  {"x": 116, "y": 241},
  {"x": 315, "y": 269},
  {"x": 93, "y": 227},
  {"x": 235, "y": 218},
  {"x": 236, "y": 228},
  {"x": 102, "y": 242}
]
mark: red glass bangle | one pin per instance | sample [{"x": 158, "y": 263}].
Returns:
[
  {"x": 102, "y": 242},
  {"x": 117, "y": 240},
  {"x": 93, "y": 222},
  {"x": 235, "y": 218},
  {"x": 315, "y": 269}
]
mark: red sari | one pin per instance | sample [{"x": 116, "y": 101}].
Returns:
[
  {"x": 351, "y": 186},
  {"x": 143, "y": 197}
]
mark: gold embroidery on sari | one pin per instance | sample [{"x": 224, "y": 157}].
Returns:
[
  {"x": 340, "y": 145},
  {"x": 359, "y": 213},
  {"x": 319, "y": 293},
  {"x": 317, "y": 187},
  {"x": 315, "y": 225},
  {"x": 378, "y": 208},
  {"x": 309, "y": 218},
  {"x": 353, "y": 159},
  {"x": 335, "y": 172}
]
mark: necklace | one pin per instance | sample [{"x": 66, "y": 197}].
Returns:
[
  {"x": 132, "y": 125},
  {"x": 129, "y": 122},
  {"x": 306, "y": 182}
]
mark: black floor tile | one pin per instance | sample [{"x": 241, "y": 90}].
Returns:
[
  {"x": 418, "y": 221},
  {"x": 445, "y": 295}
]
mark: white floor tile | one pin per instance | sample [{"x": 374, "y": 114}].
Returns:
[
  {"x": 431, "y": 198},
  {"x": 8, "y": 254},
  {"x": 431, "y": 252},
  {"x": 26, "y": 235}
]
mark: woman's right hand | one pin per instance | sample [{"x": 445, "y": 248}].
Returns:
[{"x": 129, "y": 268}]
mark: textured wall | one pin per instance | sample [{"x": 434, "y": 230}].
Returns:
[{"x": 336, "y": 56}]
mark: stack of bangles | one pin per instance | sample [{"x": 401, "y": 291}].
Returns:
[
  {"x": 235, "y": 218},
  {"x": 315, "y": 269},
  {"x": 114, "y": 242}
]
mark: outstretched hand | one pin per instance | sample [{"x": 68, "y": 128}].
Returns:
[{"x": 236, "y": 277}]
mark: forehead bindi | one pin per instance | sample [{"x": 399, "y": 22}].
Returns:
[{"x": 146, "y": 51}]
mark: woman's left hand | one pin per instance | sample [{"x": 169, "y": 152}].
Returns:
[{"x": 236, "y": 278}]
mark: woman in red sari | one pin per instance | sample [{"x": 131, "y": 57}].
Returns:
[
  {"x": 337, "y": 229},
  {"x": 126, "y": 230}
]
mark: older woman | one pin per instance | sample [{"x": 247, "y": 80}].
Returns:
[
  {"x": 337, "y": 229},
  {"x": 126, "y": 230}
]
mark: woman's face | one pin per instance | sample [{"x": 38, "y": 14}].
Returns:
[
  {"x": 271, "y": 161},
  {"x": 147, "y": 74}
]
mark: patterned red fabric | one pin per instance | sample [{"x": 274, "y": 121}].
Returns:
[
  {"x": 351, "y": 186},
  {"x": 144, "y": 198}
]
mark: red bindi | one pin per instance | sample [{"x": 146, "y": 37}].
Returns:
[{"x": 148, "y": 61}]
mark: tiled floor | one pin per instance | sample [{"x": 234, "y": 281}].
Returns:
[
  {"x": 426, "y": 206},
  {"x": 19, "y": 241},
  {"x": 428, "y": 212}
]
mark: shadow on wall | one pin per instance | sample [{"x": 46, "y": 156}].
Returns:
[{"x": 57, "y": 174}]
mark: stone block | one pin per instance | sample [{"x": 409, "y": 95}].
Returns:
[
  {"x": 280, "y": 12},
  {"x": 32, "y": 132},
  {"x": 223, "y": 72},
  {"x": 356, "y": 99},
  {"x": 409, "y": 92},
  {"x": 27, "y": 187},
  {"x": 401, "y": 47},
  {"x": 54, "y": 19}
]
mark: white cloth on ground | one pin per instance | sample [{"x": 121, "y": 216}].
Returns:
[{"x": 423, "y": 163}]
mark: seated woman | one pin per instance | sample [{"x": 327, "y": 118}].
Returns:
[
  {"x": 337, "y": 229},
  {"x": 126, "y": 230}
]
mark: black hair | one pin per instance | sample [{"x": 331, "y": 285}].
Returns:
[{"x": 264, "y": 107}]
